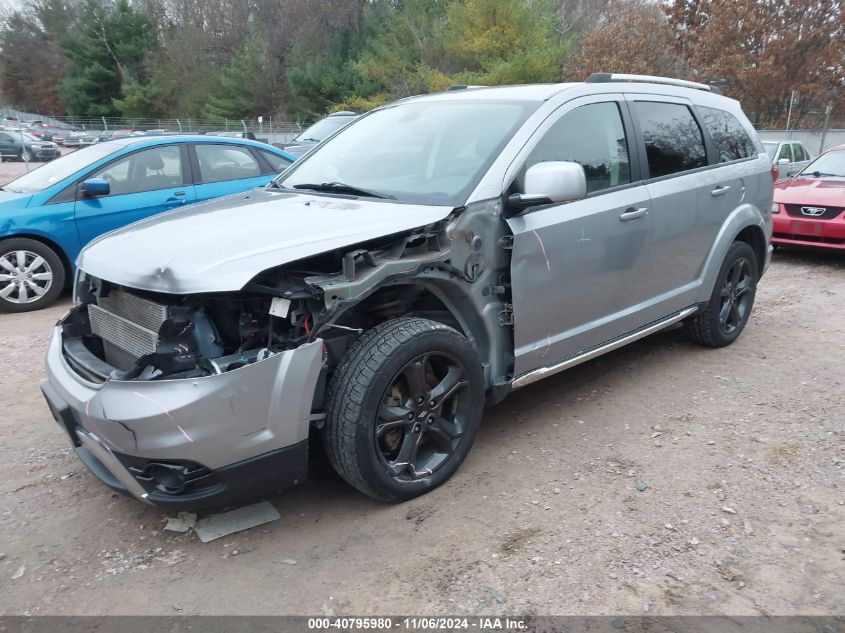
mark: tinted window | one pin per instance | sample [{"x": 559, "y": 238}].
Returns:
[
  {"x": 593, "y": 136},
  {"x": 727, "y": 133},
  {"x": 785, "y": 152},
  {"x": 798, "y": 152},
  {"x": 278, "y": 163},
  {"x": 673, "y": 140},
  {"x": 226, "y": 162},
  {"x": 147, "y": 170}
]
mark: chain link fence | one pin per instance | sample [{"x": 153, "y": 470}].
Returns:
[{"x": 264, "y": 128}]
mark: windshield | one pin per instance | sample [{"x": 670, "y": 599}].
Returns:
[
  {"x": 428, "y": 152},
  {"x": 324, "y": 128},
  {"x": 829, "y": 164},
  {"x": 59, "y": 169},
  {"x": 770, "y": 148},
  {"x": 30, "y": 137}
]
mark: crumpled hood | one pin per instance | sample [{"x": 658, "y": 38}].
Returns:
[
  {"x": 220, "y": 245},
  {"x": 812, "y": 191}
]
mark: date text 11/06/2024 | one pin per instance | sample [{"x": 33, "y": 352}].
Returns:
[{"x": 418, "y": 624}]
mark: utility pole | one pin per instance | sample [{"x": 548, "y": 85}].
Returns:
[
  {"x": 827, "y": 112},
  {"x": 789, "y": 115}
]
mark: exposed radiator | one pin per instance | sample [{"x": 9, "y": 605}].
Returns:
[{"x": 127, "y": 322}]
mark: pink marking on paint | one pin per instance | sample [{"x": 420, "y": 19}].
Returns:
[
  {"x": 153, "y": 400},
  {"x": 543, "y": 248},
  {"x": 166, "y": 412},
  {"x": 185, "y": 433},
  {"x": 548, "y": 345}
]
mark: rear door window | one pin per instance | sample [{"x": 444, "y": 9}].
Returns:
[
  {"x": 278, "y": 163},
  {"x": 727, "y": 133},
  {"x": 593, "y": 136},
  {"x": 798, "y": 152},
  {"x": 673, "y": 140},
  {"x": 226, "y": 162}
]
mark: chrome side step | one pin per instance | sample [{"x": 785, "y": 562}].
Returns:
[{"x": 542, "y": 372}]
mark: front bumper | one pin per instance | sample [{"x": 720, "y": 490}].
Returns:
[
  {"x": 191, "y": 443},
  {"x": 45, "y": 153},
  {"x": 808, "y": 232}
]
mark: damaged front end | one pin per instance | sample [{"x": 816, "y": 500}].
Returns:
[
  {"x": 185, "y": 401},
  {"x": 194, "y": 400}
]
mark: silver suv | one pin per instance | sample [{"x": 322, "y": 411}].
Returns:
[{"x": 424, "y": 261}]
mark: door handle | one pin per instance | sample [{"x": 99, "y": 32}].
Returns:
[
  {"x": 632, "y": 213},
  {"x": 721, "y": 190},
  {"x": 174, "y": 201}
]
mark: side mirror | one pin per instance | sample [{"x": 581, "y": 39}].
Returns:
[
  {"x": 783, "y": 161},
  {"x": 95, "y": 187},
  {"x": 549, "y": 182}
]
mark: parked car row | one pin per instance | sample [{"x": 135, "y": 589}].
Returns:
[
  {"x": 23, "y": 146},
  {"x": 428, "y": 258}
]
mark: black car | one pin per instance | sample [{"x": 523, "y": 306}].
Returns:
[
  {"x": 321, "y": 130},
  {"x": 24, "y": 146}
]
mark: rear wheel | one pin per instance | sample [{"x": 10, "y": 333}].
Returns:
[
  {"x": 724, "y": 317},
  {"x": 31, "y": 275},
  {"x": 404, "y": 407}
]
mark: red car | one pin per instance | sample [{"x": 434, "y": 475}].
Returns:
[{"x": 811, "y": 206}]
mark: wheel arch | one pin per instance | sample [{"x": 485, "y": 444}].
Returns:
[
  {"x": 745, "y": 224},
  {"x": 753, "y": 236},
  {"x": 445, "y": 301},
  {"x": 49, "y": 244}
]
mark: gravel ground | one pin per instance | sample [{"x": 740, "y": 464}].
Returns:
[{"x": 661, "y": 479}]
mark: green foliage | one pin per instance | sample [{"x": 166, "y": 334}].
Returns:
[
  {"x": 107, "y": 54},
  {"x": 234, "y": 96},
  {"x": 327, "y": 80}
]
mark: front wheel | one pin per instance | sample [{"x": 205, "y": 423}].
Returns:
[
  {"x": 724, "y": 317},
  {"x": 404, "y": 406},
  {"x": 31, "y": 275},
  {"x": 26, "y": 155}
]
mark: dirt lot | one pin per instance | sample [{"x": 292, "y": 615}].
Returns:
[{"x": 662, "y": 479}]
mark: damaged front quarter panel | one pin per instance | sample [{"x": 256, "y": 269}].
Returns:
[{"x": 214, "y": 420}]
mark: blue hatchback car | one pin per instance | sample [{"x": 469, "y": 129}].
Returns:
[{"x": 49, "y": 214}]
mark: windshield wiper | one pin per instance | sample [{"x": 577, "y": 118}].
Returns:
[
  {"x": 306, "y": 140},
  {"x": 818, "y": 174},
  {"x": 341, "y": 187},
  {"x": 273, "y": 184}
]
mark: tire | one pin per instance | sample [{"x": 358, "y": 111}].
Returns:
[
  {"x": 724, "y": 317},
  {"x": 379, "y": 436},
  {"x": 42, "y": 279},
  {"x": 26, "y": 155}
]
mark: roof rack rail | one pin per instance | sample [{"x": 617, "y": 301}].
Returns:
[
  {"x": 450, "y": 88},
  {"x": 600, "y": 78}
]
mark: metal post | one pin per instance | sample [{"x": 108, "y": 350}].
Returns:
[
  {"x": 789, "y": 115},
  {"x": 179, "y": 123},
  {"x": 105, "y": 125},
  {"x": 23, "y": 149},
  {"x": 827, "y": 112}
]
